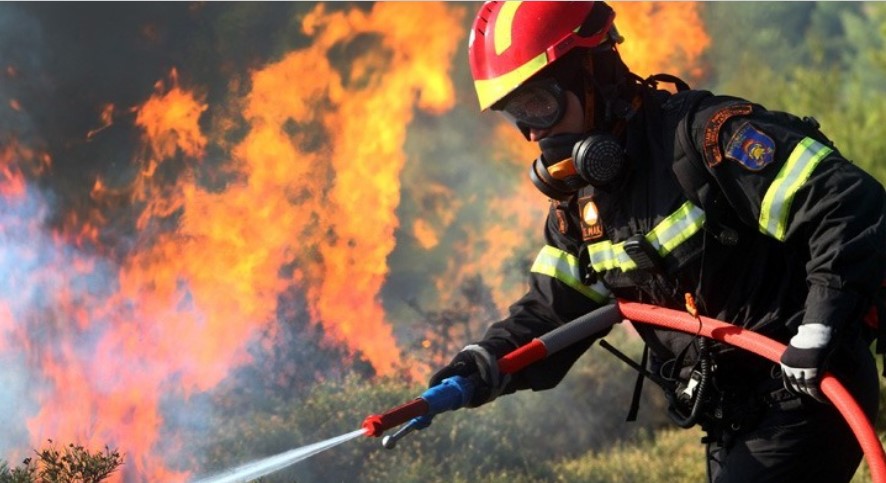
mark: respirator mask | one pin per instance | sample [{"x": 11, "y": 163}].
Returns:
[{"x": 568, "y": 162}]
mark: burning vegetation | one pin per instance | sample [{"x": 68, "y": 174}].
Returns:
[
  {"x": 221, "y": 207},
  {"x": 214, "y": 210},
  {"x": 225, "y": 215}
]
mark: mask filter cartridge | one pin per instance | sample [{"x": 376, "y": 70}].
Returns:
[{"x": 600, "y": 160}]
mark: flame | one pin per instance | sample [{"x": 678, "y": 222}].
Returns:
[
  {"x": 308, "y": 200},
  {"x": 11, "y": 73},
  {"x": 107, "y": 119},
  {"x": 367, "y": 128},
  {"x": 12, "y": 180},
  {"x": 169, "y": 119},
  {"x": 301, "y": 190},
  {"x": 661, "y": 36},
  {"x": 439, "y": 207}
]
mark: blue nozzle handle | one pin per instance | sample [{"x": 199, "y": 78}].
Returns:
[{"x": 452, "y": 393}]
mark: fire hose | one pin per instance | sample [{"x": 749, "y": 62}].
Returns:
[{"x": 454, "y": 392}]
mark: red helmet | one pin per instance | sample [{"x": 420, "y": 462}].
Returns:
[{"x": 511, "y": 41}]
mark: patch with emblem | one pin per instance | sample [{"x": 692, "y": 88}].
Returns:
[
  {"x": 591, "y": 226},
  {"x": 712, "y": 130},
  {"x": 751, "y": 148}
]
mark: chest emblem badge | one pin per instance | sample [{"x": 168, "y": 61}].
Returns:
[{"x": 591, "y": 225}]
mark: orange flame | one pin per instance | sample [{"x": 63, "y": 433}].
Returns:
[
  {"x": 513, "y": 221},
  {"x": 440, "y": 206},
  {"x": 12, "y": 180},
  {"x": 169, "y": 119},
  {"x": 367, "y": 128},
  {"x": 308, "y": 200},
  {"x": 661, "y": 36},
  {"x": 315, "y": 184},
  {"x": 106, "y": 117}
]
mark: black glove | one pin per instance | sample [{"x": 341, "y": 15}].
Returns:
[
  {"x": 477, "y": 364},
  {"x": 802, "y": 363}
]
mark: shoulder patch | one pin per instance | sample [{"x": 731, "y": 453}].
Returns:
[
  {"x": 713, "y": 154},
  {"x": 751, "y": 148}
]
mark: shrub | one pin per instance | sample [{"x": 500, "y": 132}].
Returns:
[{"x": 71, "y": 463}]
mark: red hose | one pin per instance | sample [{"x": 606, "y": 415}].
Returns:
[{"x": 772, "y": 350}]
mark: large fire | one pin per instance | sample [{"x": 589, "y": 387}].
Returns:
[{"x": 307, "y": 196}]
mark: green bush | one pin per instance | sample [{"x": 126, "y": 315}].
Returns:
[
  {"x": 72, "y": 463},
  {"x": 20, "y": 474}
]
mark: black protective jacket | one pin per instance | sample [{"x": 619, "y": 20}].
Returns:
[{"x": 784, "y": 231}]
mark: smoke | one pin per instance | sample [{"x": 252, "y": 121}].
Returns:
[
  {"x": 19, "y": 44},
  {"x": 31, "y": 294},
  {"x": 18, "y": 261}
]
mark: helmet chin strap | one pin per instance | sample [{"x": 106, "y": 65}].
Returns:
[
  {"x": 610, "y": 97},
  {"x": 589, "y": 97}
]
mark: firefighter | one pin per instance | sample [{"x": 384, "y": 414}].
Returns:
[{"x": 655, "y": 195}]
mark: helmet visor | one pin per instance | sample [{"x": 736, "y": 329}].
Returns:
[{"x": 538, "y": 105}]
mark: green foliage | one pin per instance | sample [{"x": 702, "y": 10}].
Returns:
[
  {"x": 21, "y": 474},
  {"x": 72, "y": 463},
  {"x": 76, "y": 463},
  {"x": 830, "y": 66},
  {"x": 668, "y": 456}
]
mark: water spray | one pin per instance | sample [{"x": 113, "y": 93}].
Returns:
[{"x": 263, "y": 467}]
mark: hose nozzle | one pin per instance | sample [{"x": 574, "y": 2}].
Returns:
[{"x": 449, "y": 395}]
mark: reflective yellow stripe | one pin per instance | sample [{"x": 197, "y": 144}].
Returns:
[
  {"x": 503, "y": 25},
  {"x": 665, "y": 237},
  {"x": 776, "y": 204},
  {"x": 606, "y": 255},
  {"x": 676, "y": 228},
  {"x": 491, "y": 90},
  {"x": 563, "y": 266}
]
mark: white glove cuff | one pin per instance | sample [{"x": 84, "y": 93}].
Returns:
[{"x": 812, "y": 336}]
